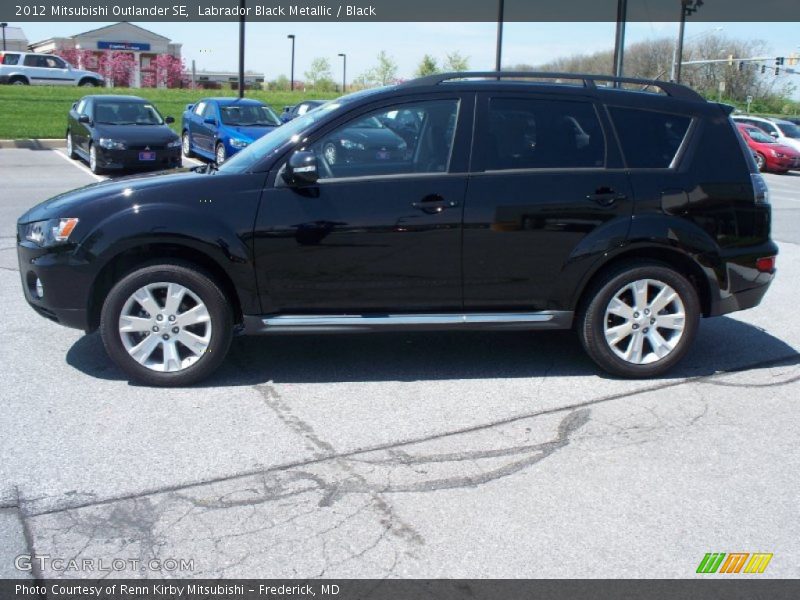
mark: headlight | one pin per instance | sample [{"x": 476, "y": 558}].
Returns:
[
  {"x": 176, "y": 143},
  {"x": 110, "y": 144},
  {"x": 777, "y": 154},
  {"x": 350, "y": 145},
  {"x": 239, "y": 143},
  {"x": 49, "y": 233}
]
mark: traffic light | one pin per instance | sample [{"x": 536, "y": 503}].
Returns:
[
  {"x": 741, "y": 65},
  {"x": 779, "y": 61},
  {"x": 763, "y": 69},
  {"x": 777, "y": 71}
]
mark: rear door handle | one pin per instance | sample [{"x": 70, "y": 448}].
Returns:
[
  {"x": 434, "y": 203},
  {"x": 605, "y": 196}
]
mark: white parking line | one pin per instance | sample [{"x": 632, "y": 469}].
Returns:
[
  {"x": 193, "y": 162},
  {"x": 78, "y": 164}
]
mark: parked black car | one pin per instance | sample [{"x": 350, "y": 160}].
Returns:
[
  {"x": 298, "y": 110},
  {"x": 121, "y": 132},
  {"x": 518, "y": 205},
  {"x": 365, "y": 141}
]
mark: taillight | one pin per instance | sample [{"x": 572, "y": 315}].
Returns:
[
  {"x": 760, "y": 188},
  {"x": 766, "y": 264}
]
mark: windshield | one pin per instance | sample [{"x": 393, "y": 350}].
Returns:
[
  {"x": 126, "y": 113},
  {"x": 246, "y": 115},
  {"x": 275, "y": 139},
  {"x": 789, "y": 130},
  {"x": 759, "y": 136}
]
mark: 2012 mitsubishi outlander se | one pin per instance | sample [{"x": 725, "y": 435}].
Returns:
[{"x": 626, "y": 209}]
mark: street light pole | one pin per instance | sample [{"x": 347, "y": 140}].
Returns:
[
  {"x": 688, "y": 7},
  {"x": 499, "y": 51},
  {"x": 241, "y": 48},
  {"x": 3, "y": 27},
  {"x": 291, "y": 80},
  {"x": 344, "y": 71},
  {"x": 619, "y": 42}
]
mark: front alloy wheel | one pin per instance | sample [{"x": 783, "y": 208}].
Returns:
[
  {"x": 167, "y": 325},
  {"x": 186, "y": 145},
  {"x": 70, "y": 147},
  {"x": 93, "y": 160},
  {"x": 761, "y": 162},
  {"x": 220, "y": 154},
  {"x": 640, "y": 319}
]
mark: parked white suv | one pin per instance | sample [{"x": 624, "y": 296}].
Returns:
[
  {"x": 31, "y": 68},
  {"x": 784, "y": 132}
]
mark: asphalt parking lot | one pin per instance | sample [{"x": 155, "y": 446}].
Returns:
[{"x": 399, "y": 455}]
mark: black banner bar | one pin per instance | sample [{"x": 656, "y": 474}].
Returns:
[
  {"x": 734, "y": 587},
  {"x": 393, "y": 10}
]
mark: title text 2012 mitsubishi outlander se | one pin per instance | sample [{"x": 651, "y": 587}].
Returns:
[{"x": 531, "y": 201}]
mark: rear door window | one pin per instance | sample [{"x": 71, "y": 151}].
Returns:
[
  {"x": 650, "y": 140},
  {"x": 535, "y": 133}
]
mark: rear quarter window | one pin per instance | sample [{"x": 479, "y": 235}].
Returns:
[
  {"x": 10, "y": 59},
  {"x": 649, "y": 139}
]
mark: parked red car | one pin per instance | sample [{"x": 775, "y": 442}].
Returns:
[{"x": 769, "y": 154}]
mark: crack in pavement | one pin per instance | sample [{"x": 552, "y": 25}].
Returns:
[{"x": 792, "y": 358}]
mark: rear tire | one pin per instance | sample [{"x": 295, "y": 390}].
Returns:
[
  {"x": 19, "y": 81},
  {"x": 163, "y": 343},
  {"x": 627, "y": 328}
]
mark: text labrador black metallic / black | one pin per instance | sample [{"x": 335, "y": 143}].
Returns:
[{"x": 626, "y": 209}]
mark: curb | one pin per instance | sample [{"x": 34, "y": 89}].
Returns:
[{"x": 33, "y": 144}]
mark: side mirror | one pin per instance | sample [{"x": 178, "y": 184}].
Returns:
[
  {"x": 84, "y": 119},
  {"x": 301, "y": 169},
  {"x": 774, "y": 134},
  {"x": 169, "y": 120},
  {"x": 210, "y": 121}
]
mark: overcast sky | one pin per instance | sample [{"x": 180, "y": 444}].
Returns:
[{"x": 215, "y": 45}]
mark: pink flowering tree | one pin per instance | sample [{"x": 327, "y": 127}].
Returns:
[
  {"x": 168, "y": 70},
  {"x": 118, "y": 67},
  {"x": 81, "y": 59}
]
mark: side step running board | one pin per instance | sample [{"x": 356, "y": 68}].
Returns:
[{"x": 383, "y": 322}]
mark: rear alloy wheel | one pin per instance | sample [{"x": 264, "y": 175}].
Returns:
[
  {"x": 761, "y": 162},
  {"x": 220, "y": 153},
  {"x": 641, "y": 320},
  {"x": 186, "y": 145},
  {"x": 167, "y": 325},
  {"x": 70, "y": 147}
]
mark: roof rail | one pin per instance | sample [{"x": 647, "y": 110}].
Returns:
[{"x": 589, "y": 81}]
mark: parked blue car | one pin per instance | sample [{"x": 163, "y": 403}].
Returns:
[{"x": 217, "y": 128}]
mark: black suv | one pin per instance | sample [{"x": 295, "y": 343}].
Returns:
[{"x": 529, "y": 201}]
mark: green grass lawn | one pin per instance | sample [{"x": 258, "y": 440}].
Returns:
[{"x": 41, "y": 111}]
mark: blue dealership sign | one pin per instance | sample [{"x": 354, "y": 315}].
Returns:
[{"x": 122, "y": 46}]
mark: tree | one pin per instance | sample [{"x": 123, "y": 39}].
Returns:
[
  {"x": 384, "y": 73},
  {"x": 117, "y": 67},
  {"x": 167, "y": 70},
  {"x": 455, "y": 62},
  {"x": 281, "y": 83},
  {"x": 427, "y": 66},
  {"x": 319, "y": 76}
]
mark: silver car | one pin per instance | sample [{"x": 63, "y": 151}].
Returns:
[{"x": 31, "y": 68}]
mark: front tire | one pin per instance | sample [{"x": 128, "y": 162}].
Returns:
[
  {"x": 761, "y": 162},
  {"x": 71, "y": 146},
  {"x": 167, "y": 325},
  {"x": 640, "y": 320},
  {"x": 186, "y": 145},
  {"x": 88, "y": 83},
  {"x": 93, "y": 166},
  {"x": 220, "y": 154}
]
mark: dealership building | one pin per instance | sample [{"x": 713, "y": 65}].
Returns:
[{"x": 144, "y": 45}]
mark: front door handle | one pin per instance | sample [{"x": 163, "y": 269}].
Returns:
[
  {"x": 434, "y": 203},
  {"x": 605, "y": 196}
]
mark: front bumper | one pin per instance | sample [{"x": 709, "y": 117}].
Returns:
[
  {"x": 166, "y": 158},
  {"x": 66, "y": 282}
]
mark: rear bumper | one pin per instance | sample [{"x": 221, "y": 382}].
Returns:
[
  {"x": 4, "y": 79},
  {"x": 65, "y": 280},
  {"x": 745, "y": 285}
]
